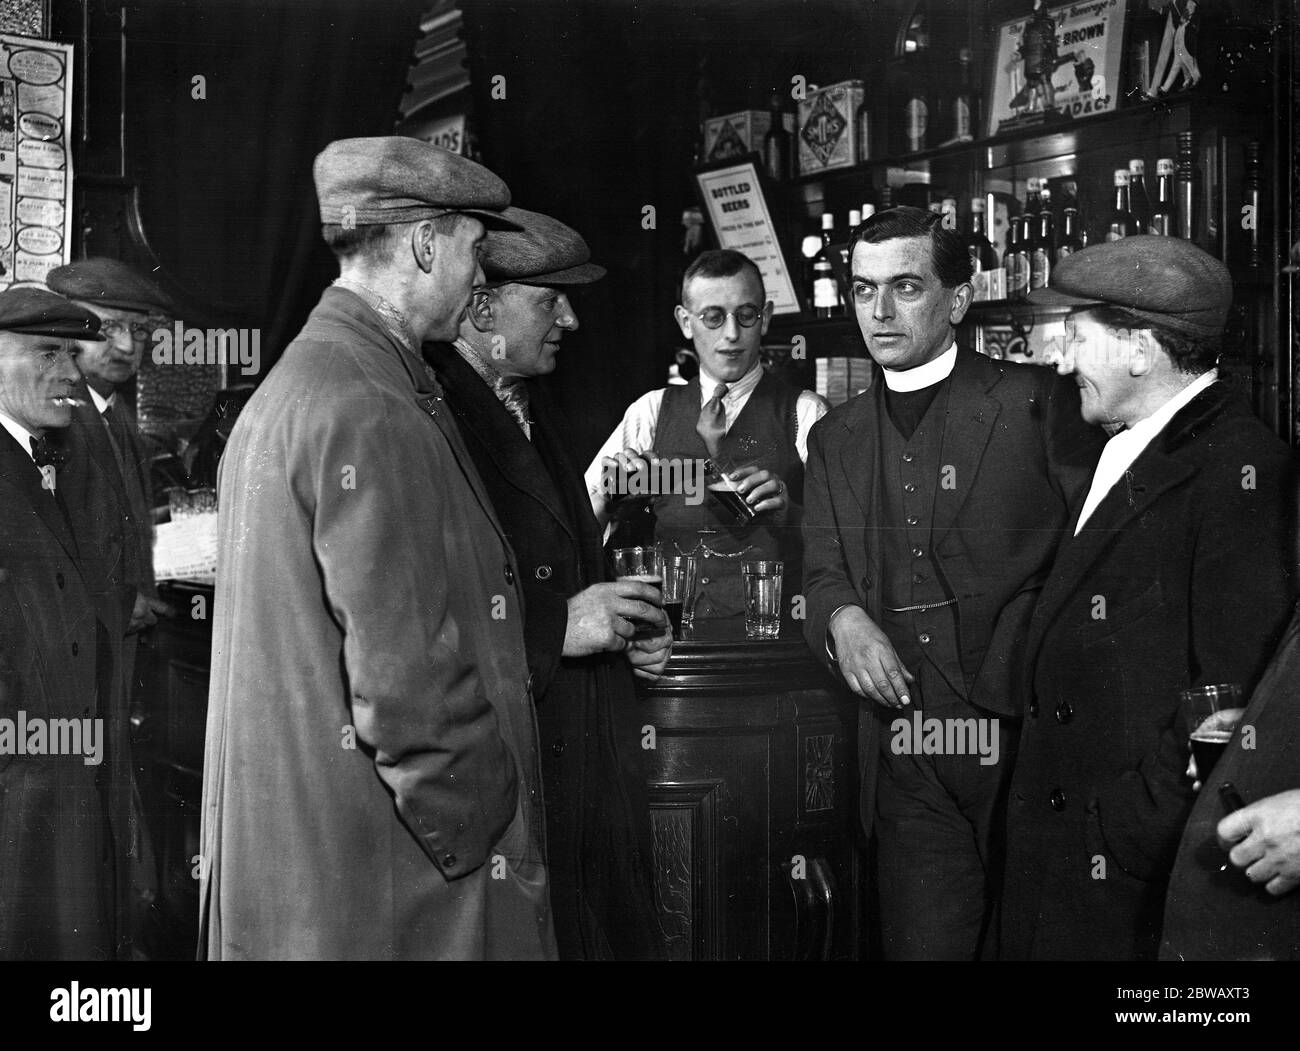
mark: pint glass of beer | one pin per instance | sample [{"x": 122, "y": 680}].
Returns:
[{"x": 1212, "y": 713}]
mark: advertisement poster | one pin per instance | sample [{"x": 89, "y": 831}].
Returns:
[
  {"x": 1059, "y": 64},
  {"x": 35, "y": 159},
  {"x": 738, "y": 211}
]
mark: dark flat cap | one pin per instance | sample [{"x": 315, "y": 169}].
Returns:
[
  {"x": 36, "y": 312},
  {"x": 543, "y": 251},
  {"x": 393, "y": 179},
  {"x": 110, "y": 283},
  {"x": 1165, "y": 280}
]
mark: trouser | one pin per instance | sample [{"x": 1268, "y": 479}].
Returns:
[{"x": 940, "y": 833}]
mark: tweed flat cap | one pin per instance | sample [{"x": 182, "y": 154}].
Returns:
[
  {"x": 109, "y": 283},
  {"x": 543, "y": 251},
  {"x": 36, "y": 312},
  {"x": 1165, "y": 280},
  {"x": 393, "y": 179}
]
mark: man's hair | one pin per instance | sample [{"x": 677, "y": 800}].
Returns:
[
  {"x": 721, "y": 262},
  {"x": 376, "y": 242},
  {"x": 1189, "y": 354},
  {"x": 948, "y": 252}
]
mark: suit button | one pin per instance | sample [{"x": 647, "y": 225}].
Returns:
[
  {"x": 558, "y": 746},
  {"x": 909, "y": 488},
  {"x": 542, "y": 572},
  {"x": 908, "y": 457},
  {"x": 510, "y": 574},
  {"x": 1033, "y": 709},
  {"x": 58, "y": 579},
  {"x": 449, "y": 860},
  {"x": 704, "y": 580},
  {"x": 918, "y": 578},
  {"x": 924, "y": 638},
  {"x": 912, "y": 520},
  {"x": 918, "y": 552},
  {"x": 75, "y": 649},
  {"x": 1057, "y": 800},
  {"x": 1064, "y": 713}
]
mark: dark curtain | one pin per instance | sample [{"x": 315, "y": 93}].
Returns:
[{"x": 227, "y": 195}]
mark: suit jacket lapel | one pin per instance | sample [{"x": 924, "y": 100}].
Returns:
[
  {"x": 18, "y": 467},
  {"x": 972, "y": 412},
  {"x": 483, "y": 416},
  {"x": 859, "y": 449}
]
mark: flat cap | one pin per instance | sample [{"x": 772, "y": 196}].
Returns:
[
  {"x": 109, "y": 283},
  {"x": 543, "y": 251},
  {"x": 1165, "y": 280},
  {"x": 394, "y": 179},
  {"x": 36, "y": 312}
]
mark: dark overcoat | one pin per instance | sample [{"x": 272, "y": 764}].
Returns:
[{"x": 1180, "y": 577}]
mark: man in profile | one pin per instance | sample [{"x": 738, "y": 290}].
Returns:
[{"x": 370, "y": 787}]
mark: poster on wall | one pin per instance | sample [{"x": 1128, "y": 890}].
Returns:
[
  {"x": 738, "y": 210},
  {"x": 35, "y": 159},
  {"x": 1059, "y": 64}
]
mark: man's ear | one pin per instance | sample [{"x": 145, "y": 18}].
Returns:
[
  {"x": 684, "y": 321},
  {"x": 962, "y": 297},
  {"x": 480, "y": 312},
  {"x": 767, "y": 317},
  {"x": 1143, "y": 348},
  {"x": 426, "y": 245}
]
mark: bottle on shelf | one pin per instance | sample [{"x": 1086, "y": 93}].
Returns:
[
  {"x": 776, "y": 143},
  {"x": 916, "y": 116},
  {"x": 963, "y": 110},
  {"x": 986, "y": 277},
  {"x": 1121, "y": 222},
  {"x": 1016, "y": 259},
  {"x": 828, "y": 300},
  {"x": 1139, "y": 202},
  {"x": 1071, "y": 239},
  {"x": 1186, "y": 187},
  {"x": 1043, "y": 251},
  {"x": 868, "y": 210},
  {"x": 1162, "y": 212},
  {"x": 846, "y": 247},
  {"x": 809, "y": 248},
  {"x": 864, "y": 128}
]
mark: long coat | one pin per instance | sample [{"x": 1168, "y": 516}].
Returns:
[
  {"x": 1021, "y": 456},
  {"x": 1180, "y": 577},
  {"x": 1213, "y": 915},
  {"x": 69, "y": 830},
  {"x": 597, "y": 815},
  {"x": 370, "y": 785}
]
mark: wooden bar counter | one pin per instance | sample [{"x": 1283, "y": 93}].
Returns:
[{"x": 753, "y": 799}]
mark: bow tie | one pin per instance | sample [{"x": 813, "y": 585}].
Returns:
[{"x": 47, "y": 453}]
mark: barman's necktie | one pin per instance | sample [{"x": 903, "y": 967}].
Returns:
[{"x": 713, "y": 420}]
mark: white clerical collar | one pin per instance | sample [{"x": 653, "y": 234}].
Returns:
[
  {"x": 738, "y": 389},
  {"x": 21, "y": 434},
  {"x": 102, "y": 404},
  {"x": 922, "y": 376}
]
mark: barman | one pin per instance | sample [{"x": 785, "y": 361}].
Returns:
[
  {"x": 578, "y": 627},
  {"x": 735, "y": 413},
  {"x": 1177, "y": 572}
]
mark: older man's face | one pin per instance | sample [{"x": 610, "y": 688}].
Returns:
[
  {"x": 109, "y": 364},
  {"x": 1098, "y": 358},
  {"x": 38, "y": 381},
  {"x": 531, "y": 320},
  {"x": 453, "y": 276}
]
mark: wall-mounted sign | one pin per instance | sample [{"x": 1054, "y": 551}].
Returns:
[
  {"x": 35, "y": 159},
  {"x": 1059, "y": 64},
  {"x": 449, "y": 133},
  {"x": 738, "y": 210}
]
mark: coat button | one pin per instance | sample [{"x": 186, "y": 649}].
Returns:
[
  {"x": 1064, "y": 713},
  {"x": 918, "y": 578},
  {"x": 58, "y": 579},
  {"x": 912, "y": 520},
  {"x": 510, "y": 574},
  {"x": 1057, "y": 800},
  {"x": 449, "y": 860},
  {"x": 908, "y": 457},
  {"x": 542, "y": 572},
  {"x": 75, "y": 649},
  {"x": 704, "y": 580},
  {"x": 558, "y": 746},
  {"x": 918, "y": 552},
  {"x": 1033, "y": 709},
  {"x": 924, "y": 638},
  {"x": 909, "y": 488}
]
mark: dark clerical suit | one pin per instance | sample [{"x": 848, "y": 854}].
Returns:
[
  {"x": 597, "y": 814},
  {"x": 69, "y": 829},
  {"x": 1214, "y": 915},
  {"x": 762, "y": 434},
  {"x": 1180, "y": 577},
  {"x": 950, "y": 514}
]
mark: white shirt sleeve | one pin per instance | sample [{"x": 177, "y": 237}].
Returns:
[
  {"x": 636, "y": 431},
  {"x": 808, "y": 410}
]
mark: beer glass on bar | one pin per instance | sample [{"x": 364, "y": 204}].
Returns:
[
  {"x": 1212, "y": 713},
  {"x": 717, "y": 479},
  {"x": 679, "y": 591},
  {"x": 762, "y": 581},
  {"x": 644, "y": 563}
]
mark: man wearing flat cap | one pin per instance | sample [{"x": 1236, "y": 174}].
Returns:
[
  {"x": 109, "y": 467},
  {"x": 1177, "y": 574},
  {"x": 370, "y": 788},
  {"x": 577, "y": 626},
  {"x": 69, "y": 829}
]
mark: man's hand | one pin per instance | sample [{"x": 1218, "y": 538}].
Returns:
[
  {"x": 762, "y": 490},
  {"x": 867, "y": 659},
  {"x": 624, "y": 464},
  {"x": 649, "y": 657},
  {"x": 600, "y": 617},
  {"x": 1267, "y": 838},
  {"x": 146, "y": 612}
]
